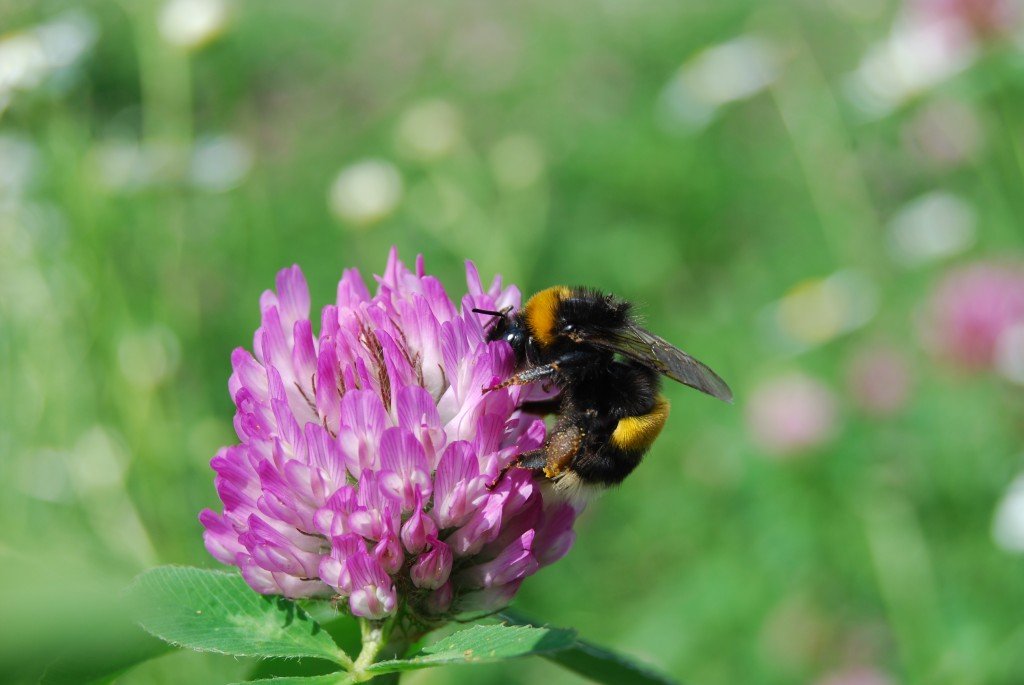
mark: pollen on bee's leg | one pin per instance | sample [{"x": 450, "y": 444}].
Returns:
[{"x": 497, "y": 479}]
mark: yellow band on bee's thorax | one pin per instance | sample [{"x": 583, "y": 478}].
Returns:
[{"x": 541, "y": 311}]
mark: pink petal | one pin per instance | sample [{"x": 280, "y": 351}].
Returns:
[
  {"x": 406, "y": 472},
  {"x": 292, "y": 295}
]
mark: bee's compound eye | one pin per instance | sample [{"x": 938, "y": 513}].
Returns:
[{"x": 569, "y": 328}]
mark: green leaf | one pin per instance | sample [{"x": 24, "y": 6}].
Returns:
[
  {"x": 481, "y": 644},
  {"x": 213, "y": 611},
  {"x": 339, "y": 678},
  {"x": 597, "y": 663},
  {"x": 345, "y": 632}
]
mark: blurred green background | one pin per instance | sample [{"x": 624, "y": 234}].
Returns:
[{"x": 780, "y": 185}]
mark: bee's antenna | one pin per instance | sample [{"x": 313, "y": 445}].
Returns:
[{"x": 498, "y": 316}]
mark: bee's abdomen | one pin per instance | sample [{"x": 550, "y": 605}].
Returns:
[
  {"x": 614, "y": 456},
  {"x": 635, "y": 434}
]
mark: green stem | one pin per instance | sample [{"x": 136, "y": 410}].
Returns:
[
  {"x": 165, "y": 79},
  {"x": 375, "y": 640}
]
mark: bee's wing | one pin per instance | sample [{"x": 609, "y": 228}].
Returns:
[{"x": 647, "y": 348}]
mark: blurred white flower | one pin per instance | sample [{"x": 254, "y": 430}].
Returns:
[
  {"x": 931, "y": 227},
  {"x": 791, "y": 414},
  {"x": 22, "y": 62},
  {"x": 66, "y": 39},
  {"x": 816, "y": 311},
  {"x": 725, "y": 73},
  {"x": 1008, "y": 523},
  {"x": 191, "y": 24},
  {"x": 517, "y": 161},
  {"x": 922, "y": 50},
  {"x": 366, "y": 191},
  {"x": 147, "y": 357},
  {"x": 429, "y": 130},
  {"x": 1009, "y": 353},
  {"x": 220, "y": 163},
  {"x": 28, "y": 57}
]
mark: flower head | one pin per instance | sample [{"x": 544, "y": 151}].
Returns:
[
  {"x": 791, "y": 414},
  {"x": 971, "y": 310},
  {"x": 982, "y": 19},
  {"x": 365, "y": 452}
]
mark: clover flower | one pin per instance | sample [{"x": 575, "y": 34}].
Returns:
[
  {"x": 366, "y": 453},
  {"x": 791, "y": 414},
  {"x": 971, "y": 311},
  {"x": 981, "y": 19}
]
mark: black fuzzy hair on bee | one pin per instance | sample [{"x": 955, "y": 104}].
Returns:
[
  {"x": 608, "y": 369},
  {"x": 588, "y": 312}
]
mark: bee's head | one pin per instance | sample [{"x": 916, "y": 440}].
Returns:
[
  {"x": 575, "y": 315},
  {"x": 509, "y": 328}
]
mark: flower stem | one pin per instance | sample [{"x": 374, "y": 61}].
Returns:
[{"x": 375, "y": 638}]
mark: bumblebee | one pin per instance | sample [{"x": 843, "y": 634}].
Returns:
[{"x": 608, "y": 370}]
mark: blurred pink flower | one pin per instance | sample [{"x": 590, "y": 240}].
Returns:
[
  {"x": 791, "y": 414},
  {"x": 970, "y": 309},
  {"x": 857, "y": 675},
  {"x": 983, "y": 19},
  {"x": 879, "y": 380},
  {"x": 365, "y": 452}
]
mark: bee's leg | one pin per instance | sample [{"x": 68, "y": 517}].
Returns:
[
  {"x": 533, "y": 460},
  {"x": 561, "y": 448},
  {"x": 543, "y": 372},
  {"x": 553, "y": 458},
  {"x": 535, "y": 373}
]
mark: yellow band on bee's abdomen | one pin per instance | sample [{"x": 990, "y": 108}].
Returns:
[{"x": 637, "y": 433}]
